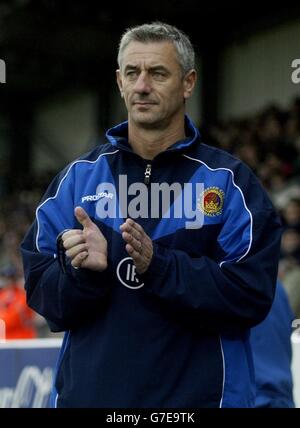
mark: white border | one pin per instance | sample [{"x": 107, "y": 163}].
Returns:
[{"x": 31, "y": 343}]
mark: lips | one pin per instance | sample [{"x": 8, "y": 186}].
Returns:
[{"x": 143, "y": 103}]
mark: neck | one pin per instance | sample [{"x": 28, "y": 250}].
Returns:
[{"x": 148, "y": 143}]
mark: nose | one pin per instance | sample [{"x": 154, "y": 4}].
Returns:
[{"x": 142, "y": 84}]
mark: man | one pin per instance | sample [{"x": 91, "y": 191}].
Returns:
[{"x": 156, "y": 312}]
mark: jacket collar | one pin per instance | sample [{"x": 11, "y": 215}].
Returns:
[{"x": 118, "y": 136}]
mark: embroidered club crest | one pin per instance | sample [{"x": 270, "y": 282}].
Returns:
[{"x": 211, "y": 201}]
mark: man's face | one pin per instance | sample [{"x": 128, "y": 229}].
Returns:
[{"x": 151, "y": 83}]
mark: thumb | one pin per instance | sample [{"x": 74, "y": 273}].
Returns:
[{"x": 83, "y": 217}]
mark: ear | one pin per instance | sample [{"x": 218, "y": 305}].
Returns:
[
  {"x": 119, "y": 82},
  {"x": 189, "y": 82}
]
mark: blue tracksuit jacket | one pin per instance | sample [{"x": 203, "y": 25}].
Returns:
[{"x": 178, "y": 335}]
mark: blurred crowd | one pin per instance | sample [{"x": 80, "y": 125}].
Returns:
[
  {"x": 269, "y": 142},
  {"x": 16, "y": 215}
]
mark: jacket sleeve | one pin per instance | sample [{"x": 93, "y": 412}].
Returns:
[
  {"x": 235, "y": 289},
  {"x": 66, "y": 299}
]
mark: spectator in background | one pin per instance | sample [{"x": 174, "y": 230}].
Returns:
[
  {"x": 289, "y": 265},
  {"x": 290, "y": 245},
  {"x": 292, "y": 286},
  {"x": 19, "y": 319},
  {"x": 272, "y": 354},
  {"x": 291, "y": 214}
]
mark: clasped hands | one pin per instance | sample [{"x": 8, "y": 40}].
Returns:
[{"x": 87, "y": 247}]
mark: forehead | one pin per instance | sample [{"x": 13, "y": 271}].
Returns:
[{"x": 150, "y": 53}]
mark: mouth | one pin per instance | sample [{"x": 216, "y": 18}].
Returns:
[{"x": 144, "y": 103}]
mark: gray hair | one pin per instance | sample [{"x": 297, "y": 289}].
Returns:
[{"x": 161, "y": 32}]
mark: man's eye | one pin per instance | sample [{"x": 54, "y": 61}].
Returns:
[
  {"x": 159, "y": 75},
  {"x": 131, "y": 74}
]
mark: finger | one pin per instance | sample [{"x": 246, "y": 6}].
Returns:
[
  {"x": 74, "y": 251},
  {"x": 129, "y": 229},
  {"x": 137, "y": 227},
  {"x": 72, "y": 232},
  {"x": 125, "y": 226},
  {"x": 129, "y": 223},
  {"x": 135, "y": 243},
  {"x": 137, "y": 258},
  {"x": 77, "y": 261},
  {"x": 72, "y": 241},
  {"x": 83, "y": 217}
]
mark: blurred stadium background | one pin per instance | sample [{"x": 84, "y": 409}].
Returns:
[{"x": 60, "y": 94}]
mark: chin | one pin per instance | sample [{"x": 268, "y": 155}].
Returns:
[{"x": 145, "y": 119}]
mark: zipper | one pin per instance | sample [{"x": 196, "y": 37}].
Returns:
[{"x": 147, "y": 173}]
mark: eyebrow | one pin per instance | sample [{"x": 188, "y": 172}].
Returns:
[{"x": 151, "y": 68}]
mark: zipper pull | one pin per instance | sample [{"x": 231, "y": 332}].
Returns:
[{"x": 147, "y": 173}]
